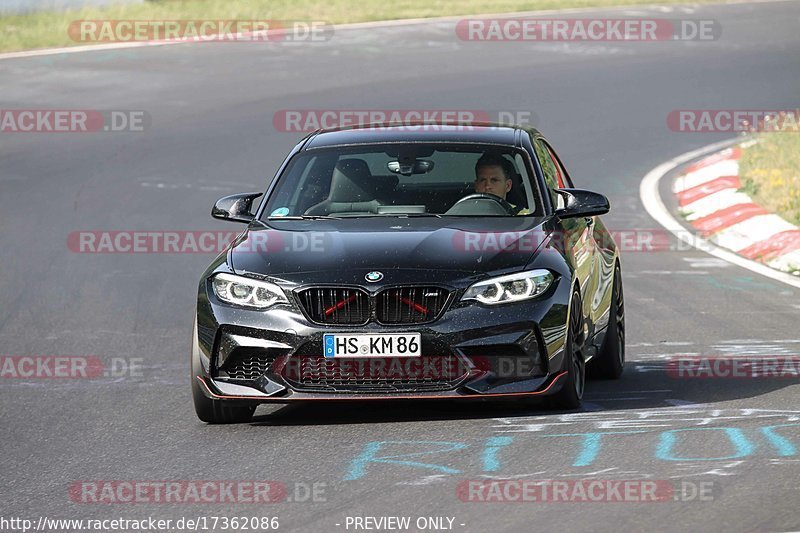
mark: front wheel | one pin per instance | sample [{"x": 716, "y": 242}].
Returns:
[
  {"x": 219, "y": 411},
  {"x": 216, "y": 411},
  {"x": 571, "y": 393}
]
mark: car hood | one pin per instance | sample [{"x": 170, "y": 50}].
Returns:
[{"x": 343, "y": 251}]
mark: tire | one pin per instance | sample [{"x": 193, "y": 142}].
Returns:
[
  {"x": 571, "y": 393},
  {"x": 218, "y": 411},
  {"x": 611, "y": 359}
]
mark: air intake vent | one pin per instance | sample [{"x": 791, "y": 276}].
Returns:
[{"x": 248, "y": 364}]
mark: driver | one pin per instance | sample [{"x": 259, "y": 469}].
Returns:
[{"x": 493, "y": 176}]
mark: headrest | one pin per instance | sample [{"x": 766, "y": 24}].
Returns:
[{"x": 351, "y": 182}]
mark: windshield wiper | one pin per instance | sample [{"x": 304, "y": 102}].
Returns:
[
  {"x": 329, "y": 217},
  {"x": 399, "y": 215},
  {"x": 305, "y": 217}
]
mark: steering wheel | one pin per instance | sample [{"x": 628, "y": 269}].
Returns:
[{"x": 505, "y": 206}]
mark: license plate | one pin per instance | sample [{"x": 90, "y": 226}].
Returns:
[{"x": 372, "y": 345}]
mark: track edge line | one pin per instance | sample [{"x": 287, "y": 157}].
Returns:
[{"x": 651, "y": 200}]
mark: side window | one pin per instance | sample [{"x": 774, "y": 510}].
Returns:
[
  {"x": 562, "y": 177},
  {"x": 525, "y": 186},
  {"x": 548, "y": 169}
]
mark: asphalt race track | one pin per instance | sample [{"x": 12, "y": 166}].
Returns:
[{"x": 211, "y": 133}]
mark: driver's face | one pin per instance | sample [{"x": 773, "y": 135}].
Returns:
[{"x": 490, "y": 179}]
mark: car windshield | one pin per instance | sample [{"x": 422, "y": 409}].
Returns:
[{"x": 414, "y": 179}]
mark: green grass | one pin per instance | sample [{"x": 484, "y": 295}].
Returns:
[
  {"x": 770, "y": 173},
  {"x": 49, "y": 29}
]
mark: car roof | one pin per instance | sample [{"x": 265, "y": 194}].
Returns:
[{"x": 468, "y": 133}]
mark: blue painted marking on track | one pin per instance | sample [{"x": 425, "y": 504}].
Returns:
[
  {"x": 358, "y": 467},
  {"x": 592, "y": 442},
  {"x": 493, "y": 445},
  {"x": 667, "y": 441},
  {"x": 784, "y": 446}
]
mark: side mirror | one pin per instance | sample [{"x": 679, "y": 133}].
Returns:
[
  {"x": 235, "y": 207},
  {"x": 581, "y": 203}
]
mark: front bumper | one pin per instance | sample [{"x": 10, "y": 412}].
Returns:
[
  {"x": 215, "y": 391},
  {"x": 509, "y": 350}
]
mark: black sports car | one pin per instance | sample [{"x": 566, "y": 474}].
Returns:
[{"x": 391, "y": 262}]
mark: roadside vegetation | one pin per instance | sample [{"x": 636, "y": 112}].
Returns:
[
  {"x": 46, "y": 29},
  {"x": 770, "y": 173}
]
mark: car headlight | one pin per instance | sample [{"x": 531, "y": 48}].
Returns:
[
  {"x": 247, "y": 292},
  {"x": 510, "y": 288}
]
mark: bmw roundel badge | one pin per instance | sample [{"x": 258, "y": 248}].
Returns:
[{"x": 374, "y": 276}]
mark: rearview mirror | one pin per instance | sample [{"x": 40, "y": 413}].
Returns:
[
  {"x": 418, "y": 166},
  {"x": 581, "y": 203},
  {"x": 236, "y": 207}
]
